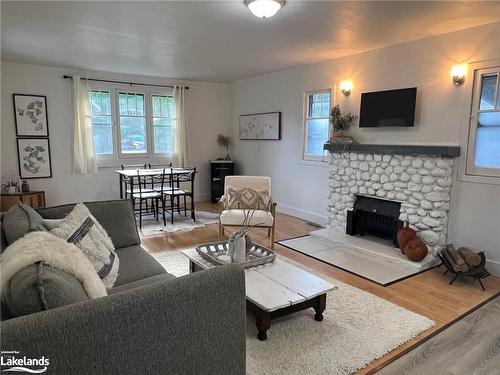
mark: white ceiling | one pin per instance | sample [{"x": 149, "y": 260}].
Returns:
[{"x": 218, "y": 41}]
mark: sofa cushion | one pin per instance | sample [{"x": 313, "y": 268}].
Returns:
[
  {"x": 40, "y": 287},
  {"x": 83, "y": 230},
  {"x": 20, "y": 220},
  {"x": 115, "y": 216},
  {"x": 236, "y": 217},
  {"x": 136, "y": 264},
  {"x": 142, "y": 282}
]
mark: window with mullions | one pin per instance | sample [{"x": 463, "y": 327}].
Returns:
[
  {"x": 316, "y": 123},
  {"x": 102, "y": 122},
  {"x": 163, "y": 113},
  {"x": 483, "y": 157},
  {"x": 132, "y": 115}
]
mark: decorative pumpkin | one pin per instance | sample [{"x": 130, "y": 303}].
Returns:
[
  {"x": 404, "y": 236},
  {"x": 416, "y": 250}
]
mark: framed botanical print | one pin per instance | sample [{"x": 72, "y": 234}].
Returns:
[
  {"x": 34, "y": 158},
  {"x": 263, "y": 126},
  {"x": 31, "y": 115}
]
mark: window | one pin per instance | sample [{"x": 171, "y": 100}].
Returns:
[
  {"x": 102, "y": 122},
  {"x": 163, "y": 113},
  {"x": 133, "y": 133},
  {"x": 483, "y": 155},
  {"x": 131, "y": 124},
  {"x": 316, "y": 124}
]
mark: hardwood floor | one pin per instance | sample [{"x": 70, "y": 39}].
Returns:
[
  {"x": 427, "y": 293},
  {"x": 470, "y": 346}
]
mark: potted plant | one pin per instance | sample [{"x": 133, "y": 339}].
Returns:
[
  {"x": 224, "y": 140},
  {"x": 340, "y": 121}
]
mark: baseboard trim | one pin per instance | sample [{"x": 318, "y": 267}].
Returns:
[
  {"x": 493, "y": 267},
  {"x": 302, "y": 214}
]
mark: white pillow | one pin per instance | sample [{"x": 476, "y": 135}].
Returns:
[
  {"x": 83, "y": 230},
  {"x": 52, "y": 223}
]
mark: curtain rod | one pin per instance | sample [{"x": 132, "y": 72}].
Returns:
[{"x": 123, "y": 82}]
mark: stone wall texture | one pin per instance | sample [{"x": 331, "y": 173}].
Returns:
[{"x": 421, "y": 183}]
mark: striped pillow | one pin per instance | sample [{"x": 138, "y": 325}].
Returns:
[{"x": 83, "y": 230}]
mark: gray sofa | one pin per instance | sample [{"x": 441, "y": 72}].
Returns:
[{"x": 150, "y": 323}]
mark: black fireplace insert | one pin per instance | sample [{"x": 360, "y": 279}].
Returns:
[{"x": 377, "y": 217}]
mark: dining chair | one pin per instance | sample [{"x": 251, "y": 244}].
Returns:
[
  {"x": 155, "y": 196},
  {"x": 128, "y": 189},
  {"x": 176, "y": 191}
]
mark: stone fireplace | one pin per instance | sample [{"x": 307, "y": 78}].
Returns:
[{"x": 419, "y": 178}]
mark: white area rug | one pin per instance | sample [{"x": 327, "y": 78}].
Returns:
[
  {"x": 151, "y": 226},
  {"x": 358, "y": 328}
]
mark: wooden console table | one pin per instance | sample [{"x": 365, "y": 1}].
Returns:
[{"x": 35, "y": 199}]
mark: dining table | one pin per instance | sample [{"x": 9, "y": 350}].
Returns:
[{"x": 131, "y": 174}]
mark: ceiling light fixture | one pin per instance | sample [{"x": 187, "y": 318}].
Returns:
[{"x": 264, "y": 8}]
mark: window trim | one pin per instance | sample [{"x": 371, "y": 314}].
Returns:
[
  {"x": 467, "y": 170},
  {"x": 118, "y": 158},
  {"x": 305, "y": 104}
]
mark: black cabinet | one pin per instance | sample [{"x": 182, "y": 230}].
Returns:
[{"x": 219, "y": 169}]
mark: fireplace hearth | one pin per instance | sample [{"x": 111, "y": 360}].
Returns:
[{"x": 377, "y": 217}]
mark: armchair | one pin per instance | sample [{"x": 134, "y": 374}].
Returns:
[{"x": 264, "y": 217}]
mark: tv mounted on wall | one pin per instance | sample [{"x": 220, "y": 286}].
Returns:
[{"x": 388, "y": 108}]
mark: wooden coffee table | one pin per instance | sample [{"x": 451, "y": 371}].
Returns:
[{"x": 275, "y": 289}]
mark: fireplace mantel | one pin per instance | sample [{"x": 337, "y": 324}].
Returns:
[{"x": 442, "y": 151}]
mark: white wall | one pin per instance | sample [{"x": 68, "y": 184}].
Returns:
[
  {"x": 301, "y": 189},
  {"x": 209, "y": 114}
]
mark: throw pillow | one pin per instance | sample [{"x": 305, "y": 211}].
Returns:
[
  {"x": 40, "y": 287},
  {"x": 52, "y": 223},
  {"x": 20, "y": 220},
  {"x": 83, "y": 230},
  {"x": 247, "y": 198}
]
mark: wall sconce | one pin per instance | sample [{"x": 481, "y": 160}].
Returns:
[
  {"x": 346, "y": 87},
  {"x": 458, "y": 73}
]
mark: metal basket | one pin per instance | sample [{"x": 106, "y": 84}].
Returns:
[{"x": 256, "y": 256}]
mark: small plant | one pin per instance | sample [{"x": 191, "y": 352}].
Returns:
[
  {"x": 225, "y": 141},
  {"x": 341, "y": 121}
]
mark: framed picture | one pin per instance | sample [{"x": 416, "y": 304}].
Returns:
[
  {"x": 264, "y": 126},
  {"x": 34, "y": 158},
  {"x": 31, "y": 115}
]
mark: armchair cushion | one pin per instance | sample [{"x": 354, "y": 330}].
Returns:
[
  {"x": 236, "y": 217},
  {"x": 247, "y": 198}
]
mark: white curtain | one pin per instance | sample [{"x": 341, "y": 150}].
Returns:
[
  {"x": 180, "y": 154},
  {"x": 84, "y": 159}
]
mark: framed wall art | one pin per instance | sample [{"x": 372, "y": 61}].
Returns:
[
  {"x": 34, "y": 158},
  {"x": 261, "y": 126},
  {"x": 31, "y": 115}
]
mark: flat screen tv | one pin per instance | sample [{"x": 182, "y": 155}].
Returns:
[{"x": 388, "y": 108}]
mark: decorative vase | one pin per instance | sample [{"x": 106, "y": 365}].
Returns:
[
  {"x": 240, "y": 249},
  {"x": 227, "y": 157},
  {"x": 25, "y": 188},
  {"x": 404, "y": 236},
  {"x": 416, "y": 250}
]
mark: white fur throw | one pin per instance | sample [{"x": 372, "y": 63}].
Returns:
[
  {"x": 83, "y": 229},
  {"x": 54, "y": 251}
]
